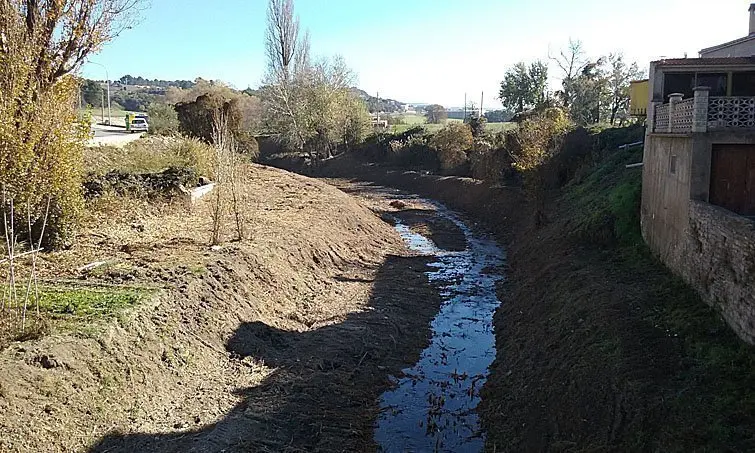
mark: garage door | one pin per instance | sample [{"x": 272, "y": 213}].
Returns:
[{"x": 732, "y": 178}]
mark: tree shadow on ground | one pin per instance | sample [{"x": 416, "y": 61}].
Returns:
[{"x": 323, "y": 394}]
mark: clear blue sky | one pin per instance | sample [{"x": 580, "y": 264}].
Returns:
[{"x": 414, "y": 50}]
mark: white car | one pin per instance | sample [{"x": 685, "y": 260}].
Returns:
[{"x": 139, "y": 125}]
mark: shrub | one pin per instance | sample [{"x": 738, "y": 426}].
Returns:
[
  {"x": 490, "y": 164},
  {"x": 356, "y": 123},
  {"x": 41, "y": 143},
  {"x": 395, "y": 120},
  {"x": 452, "y": 143},
  {"x": 436, "y": 114},
  {"x": 537, "y": 138},
  {"x": 163, "y": 119},
  {"x": 152, "y": 154},
  {"x": 477, "y": 125},
  {"x": 196, "y": 118},
  {"x": 247, "y": 144},
  {"x": 163, "y": 184}
]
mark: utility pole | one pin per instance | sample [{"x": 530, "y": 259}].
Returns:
[
  {"x": 102, "y": 106},
  {"x": 465, "y": 107},
  {"x": 377, "y": 123},
  {"x": 109, "y": 118},
  {"x": 482, "y": 98},
  {"x": 107, "y": 76}
]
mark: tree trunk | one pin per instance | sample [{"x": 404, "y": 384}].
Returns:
[{"x": 614, "y": 110}]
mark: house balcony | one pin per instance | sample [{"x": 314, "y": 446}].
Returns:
[{"x": 703, "y": 113}]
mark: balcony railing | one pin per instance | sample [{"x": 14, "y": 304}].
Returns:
[
  {"x": 681, "y": 121},
  {"x": 703, "y": 113},
  {"x": 661, "y": 118},
  {"x": 731, "y": 112}
]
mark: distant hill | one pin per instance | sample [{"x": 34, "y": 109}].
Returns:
[
  {"x": 141, "y": 81},
  {"x": 381, "y": 105}
]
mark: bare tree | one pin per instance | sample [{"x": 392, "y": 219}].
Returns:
[
  {"x": 281, "y": 37},
  {"x": 10, "y": 298},
  {"x": 229, "y": 176},
  {"x": 572, "y": 62},
  {"x": 63, "y": 33},
  {"x": 288, "y": 62},
  {"x": 302, "y": 61}
]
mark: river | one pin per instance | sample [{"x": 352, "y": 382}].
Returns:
[{"x": 432, "y": 406}]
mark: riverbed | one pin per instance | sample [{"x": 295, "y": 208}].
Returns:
[{"x": 432, "y": 406}]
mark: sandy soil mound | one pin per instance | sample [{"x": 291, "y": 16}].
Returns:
[{"x": 277, "y": 343}]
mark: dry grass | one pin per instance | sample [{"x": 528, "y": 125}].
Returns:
[{"x": 152, "y": 154}]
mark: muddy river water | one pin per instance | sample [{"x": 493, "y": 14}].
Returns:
[{"x": 432, "y": 405}]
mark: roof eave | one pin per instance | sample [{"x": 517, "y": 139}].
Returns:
[{"x": 727, "y": 44}]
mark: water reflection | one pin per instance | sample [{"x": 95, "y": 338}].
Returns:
[{"x": 432, "y": 407}]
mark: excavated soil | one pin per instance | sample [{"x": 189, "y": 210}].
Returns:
[{"x": 280, "y": 342}]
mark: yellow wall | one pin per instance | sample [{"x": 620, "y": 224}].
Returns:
[{"x": 639, "y": 96}]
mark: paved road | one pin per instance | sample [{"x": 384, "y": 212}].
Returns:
[{"x": 111, "y": 135}]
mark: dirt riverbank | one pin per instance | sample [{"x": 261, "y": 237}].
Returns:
[
  {"x": 282, "y": 342},
  {"x": 600, "y": 347}
]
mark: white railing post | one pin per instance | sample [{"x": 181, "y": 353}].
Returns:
[
  {"x": 700, "y": 112},
  {"x": 672, "y": 100}
]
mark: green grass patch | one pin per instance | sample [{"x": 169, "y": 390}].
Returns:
[
  {"x": 491, "y": 128},
  {"x": 87, "y": 303},
  {"x": 413, "y": 119},
  {"x": 80, "y": 310},
  {"x": 711, "y": 406},
  {"x": 72, "y": 303},
  {"x": 607, "y": 201}
]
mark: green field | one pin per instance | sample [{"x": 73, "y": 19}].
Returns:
[{"x": 412, "y": 120}]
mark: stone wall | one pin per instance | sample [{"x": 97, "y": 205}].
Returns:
[{"x": 718, "y": 260}]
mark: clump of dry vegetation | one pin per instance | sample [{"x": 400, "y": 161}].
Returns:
[
  {"x": 152, "y": 154},
  {"x": 230, "y": 194},
  {"x": 452, "y": 144}
]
